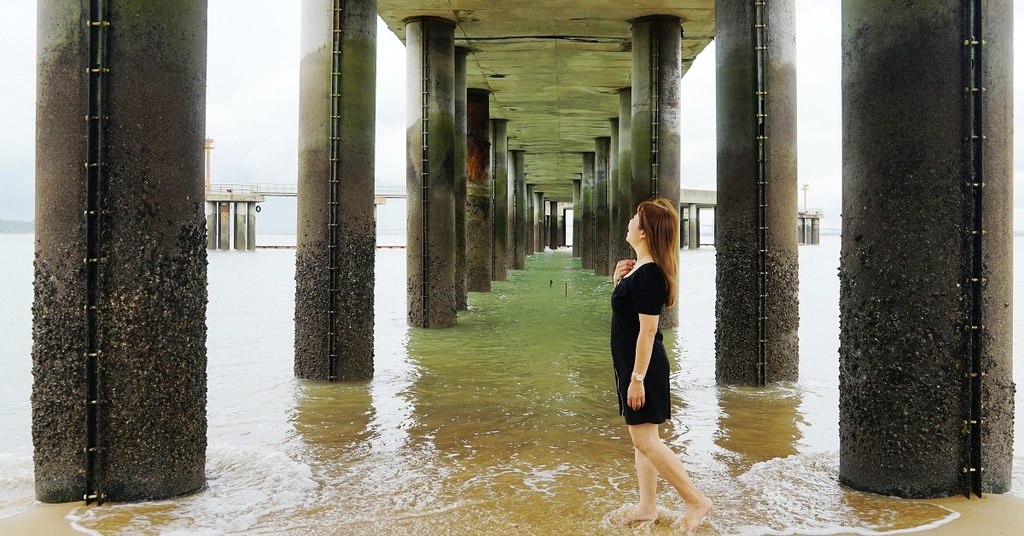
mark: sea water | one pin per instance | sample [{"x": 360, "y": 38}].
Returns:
[{"x": 504, "y": 424}]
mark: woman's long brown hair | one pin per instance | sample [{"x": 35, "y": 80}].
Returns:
[{"x": 659, "y": 221}]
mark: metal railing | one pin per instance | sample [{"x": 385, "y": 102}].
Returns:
[{"x": 270, "y": 189}]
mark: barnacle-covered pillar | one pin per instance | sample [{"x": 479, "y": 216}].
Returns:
[
  {"x": 336, "y": 241},
  {"x": 119, "y": 317}
]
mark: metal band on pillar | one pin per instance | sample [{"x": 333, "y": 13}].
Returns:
[
  {"x": 96, "y": 118},
  {"x": 655, "y": 108},
  {"x": 425, "y": 172},
  {"x": 334, "y": 200},
  {"x": 974, "y": 91}
]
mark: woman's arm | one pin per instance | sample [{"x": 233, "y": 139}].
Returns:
[{"x": 635, "y": 396}]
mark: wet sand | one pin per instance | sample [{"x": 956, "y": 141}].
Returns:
[{"x": 994, "y": 515}]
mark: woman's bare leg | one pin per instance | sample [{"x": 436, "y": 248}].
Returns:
[
  {"x": 647, "y": 478},
  {"x": 647, "y": 441}
]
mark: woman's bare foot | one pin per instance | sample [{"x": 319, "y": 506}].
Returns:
[
  {"x": 695, "y": 516},
  {"x": 639, "y": 514}
]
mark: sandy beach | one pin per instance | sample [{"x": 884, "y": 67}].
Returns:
[{"x": 994, "y": 515}]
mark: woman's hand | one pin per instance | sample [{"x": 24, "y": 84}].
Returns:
[
  {"x": 621, "y": 269},
  {"x": 635, "y": 396}
]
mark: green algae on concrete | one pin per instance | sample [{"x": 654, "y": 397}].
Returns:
[
  {"x": 430, "y": 173},
  {"x": 499, "y": 259}
]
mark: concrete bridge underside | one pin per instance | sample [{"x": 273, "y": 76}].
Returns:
[
  {"x": 926, "y": 391},
  {"x": 554, "y": 69}
]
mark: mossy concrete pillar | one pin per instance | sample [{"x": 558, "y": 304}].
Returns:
[
  {"x": 539, "y": 215},
  {"x": 618, "y": 248},
  {"x": 621, "y": 192},
  {"x": 531, "y": 227},
  {"x": 479, "y": 225},
  {"x": 553, "y": 225},
  {"x": 519, "y": 213},
  {"x": 119, "y": 314},
  {"x": 336, "y": 241},
  {"x": 461, "y": 157},
  {"x": 577, "y": 216},
  {"x": 654, "y": 127},
  {"x": 499, "y": 151},
  {"x": 587, "y": 222},
  {"x": 926, "y": 393},
  {"x": 602, "y": 216},
  {"x": 430, "y": 175},
  {"x": 757, "y": 312}
]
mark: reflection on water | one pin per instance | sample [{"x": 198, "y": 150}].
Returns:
[
  {"x": 757, "y": 424},
  {"x": 504, "y": 424}
]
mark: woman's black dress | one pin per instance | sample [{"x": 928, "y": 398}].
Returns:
[{"x": 644, "y": 291}]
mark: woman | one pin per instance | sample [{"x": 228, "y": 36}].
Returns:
[{"x": 642, "y": 288}]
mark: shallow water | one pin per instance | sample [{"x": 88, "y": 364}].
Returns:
[{"x": 504, "y": 424}]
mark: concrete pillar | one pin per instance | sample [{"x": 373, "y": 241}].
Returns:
[
  {"x": 757, "y": 303},
  {"x": 499, "y": 262},
  {"x": 926, "y": 393},
  {"x": 211, "y": 225},
  {"x": 519, "y": 220},
  {"x": 553, "y": 225},
  {"x": 479, "y": 225},
  {"x": 539, "y": 215},
  {"x": 119, "y": 334},
  {"x": 586, "y": 234},
  {"x": 602, "y": 157},
  {"x": 815, "y": 231},
  {"x": 250, "y": 233},
  {"x": 430, "y": 245},
  {"x": 561, "y": 226},
  {"x": 336, "y": 241},
  {"x": 577, "y": 216},
  {"x": 224, "y": 225},
  {"x": 654, "y": 130},
  {"x": 531, "y": 227},
  {"x": 460, "y": 178},
  {"x": 693, "y": 226},
  {"x": 621, "y": 194},
  {"x": 241, "y": 225}
]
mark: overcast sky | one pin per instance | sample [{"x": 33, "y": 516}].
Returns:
[{"x": 252, "y": 106}]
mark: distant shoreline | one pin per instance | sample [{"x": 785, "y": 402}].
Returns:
[{"x": 17, "y": 227}]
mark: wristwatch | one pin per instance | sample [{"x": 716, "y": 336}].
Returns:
[{"x": 637, "y": 377}]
